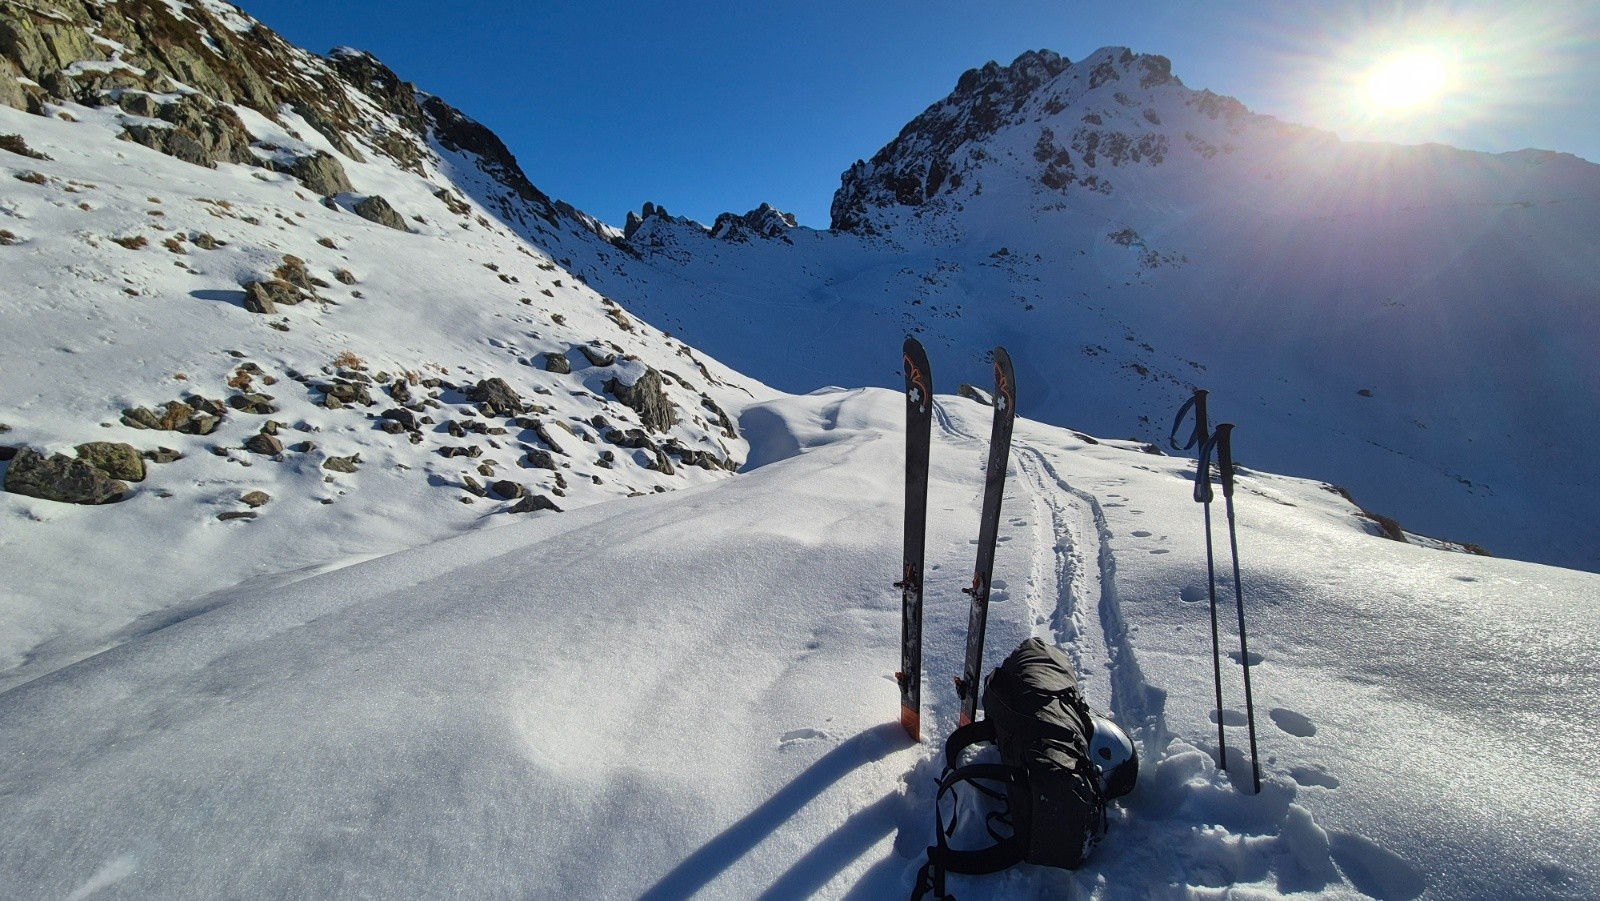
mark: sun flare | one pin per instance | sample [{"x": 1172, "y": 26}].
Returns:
[{"x": 1407, "y": 79}]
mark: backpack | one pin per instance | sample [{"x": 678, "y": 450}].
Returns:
[{"x": 1035, "y": 715}]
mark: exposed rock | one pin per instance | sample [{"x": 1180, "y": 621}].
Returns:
[
  {"x": 163, "y": 455},
  {"x": 200, "y": 132},
  {"x": 342, "y": 392},
  {"x": 557, "y": 363},
  {"x": 400, "y": 416},
  {"x": 376, "y": 209},
  {"x": 205, "y": 404},
  {"x": 16, "y": 144},
  {"x": 322, "y": 173},
  {"x": 7, "y": 452},
  {"x": 294, "y": 272},
  {"x": 11, "y": 92},
  {"x": 507, "y": 489},
  {"x": 972, "y": 392},
  {"x": 263, "y": 296},
  {"x": 255, "y": 498},
  {"x": 264, "y": 444},
  {"x": 632, "y": 438},
  {"x": 646, "y": 398},
  {"x": 246, "y": 515},
  {"x": 117, "y": 460},
  {"x": 539, "y": 459},
  {"x": 176, "y": 416},
  {"x": 723, "y": 420},
  {"x": 533, "y": 503},
  {"x": 597, "y": 356},
  {"x": 252, "y": 402},
  {"x": 764, "y": 221},
  {"x": 61, "y": 478},
  {"x": 545, "y": 436},
  {"x": 348, "y": 464},
  {"x": 457, "y": 132},
  {"x": 661, "y": 464},
  {"x": 496, "y": 398}
]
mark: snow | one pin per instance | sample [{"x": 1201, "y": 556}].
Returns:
[
  {"x": 1467, "y": 319},
  {"x": 691, "y": 692},
  {"x": 386, "y": 685}
]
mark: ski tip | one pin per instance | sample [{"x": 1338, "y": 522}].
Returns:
[{"x": 911, "y": 721}]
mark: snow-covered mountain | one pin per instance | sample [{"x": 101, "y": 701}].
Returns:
[
  {"x": 1415, "y": 323},
  {"x": 298, "y": 312},
  {"x": 389, "y": 547}
]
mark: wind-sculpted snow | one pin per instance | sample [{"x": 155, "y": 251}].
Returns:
[{"x": 693, "y": 692}]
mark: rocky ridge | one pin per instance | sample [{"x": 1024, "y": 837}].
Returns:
[{"x": 1087, "y": 119}]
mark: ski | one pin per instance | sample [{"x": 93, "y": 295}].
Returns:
[
  {"x": 994, "y": 487},
  {"x": 919, "y": 420}
]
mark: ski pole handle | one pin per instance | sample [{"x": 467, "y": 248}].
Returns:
[
  {"x": 1224, "y": 439},
  {"x": 1202, "y": 473}
]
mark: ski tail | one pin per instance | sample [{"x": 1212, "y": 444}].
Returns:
[
  {"x": 994, "y": 486},
  {"x": 919, "y": 419}
]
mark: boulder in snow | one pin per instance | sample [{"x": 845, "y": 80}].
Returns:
[{"x": 61, "y": 478}]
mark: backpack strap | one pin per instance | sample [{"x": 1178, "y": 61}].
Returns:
[{"x": 1007, "y": 850}]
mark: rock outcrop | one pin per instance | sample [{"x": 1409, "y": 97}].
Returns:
[
  {"x": 646, "y": 398},
  {"x": 61, "y": 478}
]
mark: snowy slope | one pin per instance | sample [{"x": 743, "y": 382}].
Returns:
[
  {"x": 691, "y": 692},
  {"x": 114, "y": 301},
  {"x": 344, "y": 666},
  {"x": 1405, "y": 321}
]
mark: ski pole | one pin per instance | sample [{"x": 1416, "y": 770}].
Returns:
[
  {"x": 1225, "y": 464},
  {"x": 1203, "y": 496}
]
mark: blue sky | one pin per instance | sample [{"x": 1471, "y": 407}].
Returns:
[{"x": 709, "y": 107}]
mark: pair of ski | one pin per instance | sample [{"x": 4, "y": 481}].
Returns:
[{"x": 919, "y": 421}]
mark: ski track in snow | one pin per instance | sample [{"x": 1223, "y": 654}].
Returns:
[{"x": 1074, "y": 562}]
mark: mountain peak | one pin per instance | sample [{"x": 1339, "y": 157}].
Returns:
[{"x": 1106, "y": 107}]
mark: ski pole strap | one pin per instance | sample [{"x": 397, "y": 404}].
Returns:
[{"x": 1197, "y": 403}]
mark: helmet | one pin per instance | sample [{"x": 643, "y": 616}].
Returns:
[{"x": 1114, "y": 756}]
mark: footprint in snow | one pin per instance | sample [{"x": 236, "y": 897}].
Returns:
[
  {"x": 1255, "y": 659},
  {"x": 1140, "y": 533},
  {"x": 1192, "y": 594},
  {"x": 1374, "y": 869},
  {"x": 1296, "y": 724},
  {"x": 797, "y": 736},
  {"x": 1316, "y": 774},
  {"x": 1160, "y": 550},
  {"x": 1230, "y": 718}
]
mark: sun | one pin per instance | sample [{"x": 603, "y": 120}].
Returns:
[{"x": 1407, "y": 79}]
